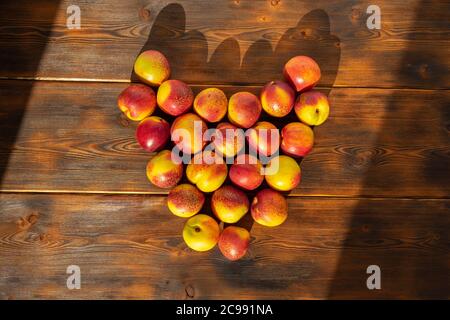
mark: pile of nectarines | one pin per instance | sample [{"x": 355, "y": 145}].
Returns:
[{"x": 211, "y": 155}]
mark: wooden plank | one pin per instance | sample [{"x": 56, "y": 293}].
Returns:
[
  {"x": 230, "y": 42},
  {"x": 392, "y": 143},
  {"x": 131, "y": 247}
]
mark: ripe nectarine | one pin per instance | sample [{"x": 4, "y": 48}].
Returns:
[
  {"x": 174, "y": 97},
  {"x": 302, "y": 72},
  {"x": 137, "y": 101},
  {"x": 152, "y": 133},
  {"x": 234, "y": 242},
  {"x": 185, "y": 200},
  {"x": 162, "y": 171},
  {"x": 152, "y": 67},
  {"x": 269, "y": 208}
]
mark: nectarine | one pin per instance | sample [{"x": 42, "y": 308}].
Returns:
[
  {"x": 137, "y": 101},
  {"x": 302, "y": 72},
  {"x": 201, "y": 232},
  {"x": 244, "y": 109},
  {"x": 185, "y": 200},
  {"x": 234, "y": 242},
  {"x": 162, "y": 171},
  {"x": 264, "y": 138},
  {"x": 283, "y": 173},
  {"x": 152, "y": 67},
  {"x": 277, "y": 98},
  {"x": 229, "y": 204},
  {"x": 187, "y": 132},
  {"x": 174, "y": 97},
  {"x": 207, "y": 175},
  {"x": 269, "y": 208},
  {"x": 229, "y": 139},
  {"x": 312, "y": 108},
  {"x": 246, "y": 172},
  {"x": 297, "y": 139},
  {"x": 211, "y": 104},
  {"x": 152, "y": 133}
]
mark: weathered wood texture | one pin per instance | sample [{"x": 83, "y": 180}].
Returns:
[
  {"x": 231, "y": 41},
  {"x": 131, "y": 247},
  {"x": 73, "y": 138},
  {"x": 66, "y": 139}
]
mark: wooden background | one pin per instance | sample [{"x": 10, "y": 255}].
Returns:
[{"x": 375, "y": 189}]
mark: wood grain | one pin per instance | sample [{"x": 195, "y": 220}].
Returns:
[
  {"x": 131, "y": 247},
  {"x": 72, "y": 177},
  {"x": 236, "y": 42},
  {"x": 392, "y": 143}
]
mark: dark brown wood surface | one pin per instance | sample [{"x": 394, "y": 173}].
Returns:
[
  {"x": 232, "y": 41},
  {"x": 129, "y": 246},
  {"x": 375, "y": 189},
  {"x": 74, "y": 139}
]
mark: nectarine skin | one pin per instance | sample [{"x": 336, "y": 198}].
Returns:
[
  {"x": 174, "y": 97},
  {"x": 246, "y": 172},
  {"x": 283, "y": 173},
  {"x": 312, "y": 108},
  {"x": 208, "y": 177},
  {"x": 269, "y": 208},
  {"x": 211, "y": 104},
  {"x": 152, "y": 67},
  {"x": 234, "y": 242},
  {"x": 229, "y": 204},
  {"x": 244, "y": 109},
  {"x": 153, "y": 133},
  {"x": 137, "y": 101},
  {"x": 231, "y": 145},
  {"x": 302, "y": 72},
  {"x": 264, "y": 137},
  {"x": 297, "y": 139},
  {"x": 277, "y": 98},
  {"x": 201, "y": 232},
  {"x": 187, "y": 133},
  {"x": 185, "y": 200},
  {"x": 163, "y": 172}
]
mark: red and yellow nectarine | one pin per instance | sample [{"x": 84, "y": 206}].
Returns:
[
  {"x": 277, "y": 98},
  {"x": 174, "y": 97},
  {"x": 185, "y": 200},
  {"x": 302, "y": 72},
  {"x": 246, "y": 172},
  {"x": 187, "y": 133},
  {"x": 229, "y": 139},
  {"x": 152, "y": 67},
  {"x": 229, "y": 204},
  {"x": 283, "y": 173},
  {"x": 234, "y": 242},
  {"x": 312, "y": 108},
  {"x": 201, "y": 232},
  {"x": 264, "y": 138},
  {"x": 162, "y": 171},
  {"x": 207, "y": 175},
  {"x": 244, "y": 109},
  {"x": 269, "y": 208},
  {"x": 211, "y": 104},
  {"x": 153, "y": 133},
  {"x": 297, "y": 139},
  {"x": 137, "y": 101}
]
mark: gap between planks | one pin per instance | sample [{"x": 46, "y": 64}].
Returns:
[
  {"x": 236, "y": 84},
  {"x": 161, "y": 194}
]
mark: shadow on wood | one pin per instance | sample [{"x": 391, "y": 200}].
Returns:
[
  {"x": 10, "y": 120},
  {"x": 309, "y": 37},
  {"x": 422, "y": 271}
]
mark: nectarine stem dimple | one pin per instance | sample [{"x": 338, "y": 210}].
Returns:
[{"x": 197, "y": 229}]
